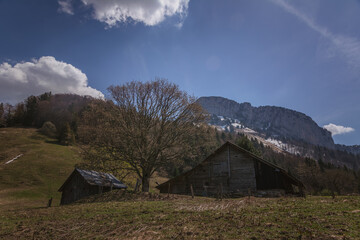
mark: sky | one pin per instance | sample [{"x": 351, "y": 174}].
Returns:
[{"x": 299, "y": 54}]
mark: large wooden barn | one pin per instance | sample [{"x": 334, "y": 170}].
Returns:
[
  {"x": 82, "y": 183},
  {"x": 233, "y": 170}
]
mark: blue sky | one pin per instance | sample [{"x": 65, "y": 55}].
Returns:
[{"x": 303, "y": 55}]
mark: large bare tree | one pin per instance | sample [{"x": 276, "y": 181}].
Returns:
[{"x": 144, "y": 126}]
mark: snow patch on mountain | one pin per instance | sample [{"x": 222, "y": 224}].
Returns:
[
  {"x": 237, "y": 125},
  {"x": 221, "y": 118},
  {"x": 234, "y": 125},
  {"x": 249, "y": 130},
  {"x": 284, "y": 146}
]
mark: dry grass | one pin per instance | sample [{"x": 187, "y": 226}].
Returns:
[
  {"x": 126, "y": 195},
  {"x": 186, "y": 218}
]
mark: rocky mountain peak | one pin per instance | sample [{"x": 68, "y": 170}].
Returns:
[{"x": 275, "y": 122}]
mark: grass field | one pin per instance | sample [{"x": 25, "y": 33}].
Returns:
[
  {"x": 34, "y": 177},
  {"x": 27, "y": 183},
  {"x": 186, "y": 218}
]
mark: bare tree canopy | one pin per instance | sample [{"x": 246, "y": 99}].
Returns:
[{"x": 145, "y": 126}]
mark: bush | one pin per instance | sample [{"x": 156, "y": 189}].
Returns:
[
  {"x": 49, "y": 129},
  {"x": 326, "y": 192}
]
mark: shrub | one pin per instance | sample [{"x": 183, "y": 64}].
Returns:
[
  {"x": 325, "y": 192},
  {"x": 49, "y": 129}
]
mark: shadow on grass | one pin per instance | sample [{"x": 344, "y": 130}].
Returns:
[
  {"x": 55, "y": 142},
  {"x": 38, "y": 137}
]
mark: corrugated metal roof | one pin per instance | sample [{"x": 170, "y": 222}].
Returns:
[{"x": 100, "y": 179}]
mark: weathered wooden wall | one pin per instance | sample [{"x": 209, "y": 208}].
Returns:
[
  {"x": 77, "y": 188},
  {"x": 227, "y": 169},
  {"x": 242, "y": 172},
  {"x": 231, "y": 171},
  {"x": 271, "y": 178}
]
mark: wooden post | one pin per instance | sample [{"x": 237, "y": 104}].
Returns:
[
  {"x": 192, "y": 191},
  {"x": 221, "y": 191},
  {"x": 50, "y": 201},
  {"x": 168, "y": 189}
]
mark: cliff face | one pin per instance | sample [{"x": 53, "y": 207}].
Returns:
[{"x": 272, "y": 121}]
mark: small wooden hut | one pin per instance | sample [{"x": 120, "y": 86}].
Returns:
[
  {"x": 82, "y": 183},
  {"x": 232, "y": 170}
]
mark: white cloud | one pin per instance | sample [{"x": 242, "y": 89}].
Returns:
[
  {"x": 43, "y": 75},
  {"x": 337, "y": 129},
  {"x": 345, "y": 46},
  {"x": 66, "y": 7},
  {"x": 149, "y": 12}
]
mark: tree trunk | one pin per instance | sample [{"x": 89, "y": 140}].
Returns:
[{"x": 145, "y": 182}]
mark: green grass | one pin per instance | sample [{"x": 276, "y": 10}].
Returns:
[
  {"x": 37, "y": 175},
  {"x": 186, "y": 218}
]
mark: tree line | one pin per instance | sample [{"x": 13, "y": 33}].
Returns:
[{"x": 61, "y": 112}]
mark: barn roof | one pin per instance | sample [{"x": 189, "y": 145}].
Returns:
[
  {"x": 293, "y": 179},
  {"x": 96, "y": 179}
]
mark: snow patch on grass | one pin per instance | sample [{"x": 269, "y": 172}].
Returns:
[{"x": 13, "y": 159}]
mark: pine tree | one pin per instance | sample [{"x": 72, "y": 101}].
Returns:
[
  {"x": 67, "y": 136},
  {"x": 321, "y": 165},
  {"x": 2, "y": 118},
  {"x": 245, "y": 143},
  {"x": 31, "y": 105}
]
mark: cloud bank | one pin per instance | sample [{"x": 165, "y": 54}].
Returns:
[
  {"x": 345, "y": 46},
  {"x": 149, "y": 12},
  {"x": 337, "y": 129},
  {"x": 43, "y": 75}
]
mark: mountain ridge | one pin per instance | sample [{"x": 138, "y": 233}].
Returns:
[{"x": 275, "y": 122}]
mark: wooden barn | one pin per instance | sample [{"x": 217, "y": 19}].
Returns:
[
  {"x": 82, "y": 183},
  {"x": 232, "y": 170}
]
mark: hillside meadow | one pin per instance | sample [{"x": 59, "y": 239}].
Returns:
[
  {"x": 38, "y": 173},
  {"x": 29, "y": 181}
]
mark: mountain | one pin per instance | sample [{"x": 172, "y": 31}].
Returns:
[
  {"x": 354, "y": 149},
  {"x": 273, "y": 122}
]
